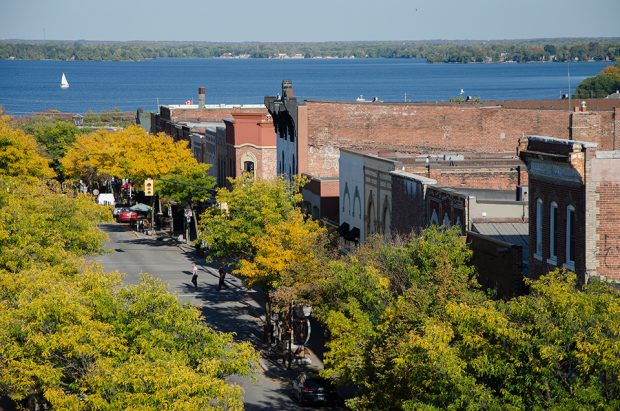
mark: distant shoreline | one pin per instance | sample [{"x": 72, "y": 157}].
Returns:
[
  {"x": 437, "y": 51},
  {"x": 421, "y": 60}
]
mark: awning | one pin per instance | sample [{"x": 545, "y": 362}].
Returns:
[
  {"x": 353, "y": 235},
  {"x": 343, "y": 229}
]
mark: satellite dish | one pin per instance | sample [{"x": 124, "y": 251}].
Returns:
[{"x": 95, "y": 192}]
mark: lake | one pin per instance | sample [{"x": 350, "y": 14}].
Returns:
[{"x": 33, "y": 86}]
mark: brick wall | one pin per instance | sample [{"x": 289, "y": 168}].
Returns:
[
  {"x": 444, "y": 203},
  {"x": 417, "y": 128},
  {"x": 499, "y": 264},
  {"x": 563, "y": 194},
  {"x": 408, "y": 204},
  {"x": 608, "y": 244}
]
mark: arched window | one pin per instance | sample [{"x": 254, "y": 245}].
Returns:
[
  {"x": 385, "y": 218},
  {"x": 553, "y": 229},
  {"x": 446, "y": 220},
  {"x": 570, "y": 237},
  {"x": 370, "y": 216},
  {"x": 434, "y": 218}
]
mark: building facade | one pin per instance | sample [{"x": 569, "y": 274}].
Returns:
[
  {"x": 574, "y": 211},
  {"x": 251, "y": 144}
]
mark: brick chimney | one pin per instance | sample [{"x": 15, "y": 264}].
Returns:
[
  {"x": 201, "y": 97},
  {"x": 583, "y": 107},
  {"x": 287, "y": 89}
]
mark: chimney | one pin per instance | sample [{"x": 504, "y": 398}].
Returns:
[
  {"x": 287, "y": 89},
  {"x": 201, "y": 97},
  {"x": 583, "y": 107}
]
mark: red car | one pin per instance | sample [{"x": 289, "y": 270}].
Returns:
[{"x": 127, "y": 217}]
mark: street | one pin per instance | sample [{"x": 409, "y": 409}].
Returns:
[{"x": 233, "y": 309}]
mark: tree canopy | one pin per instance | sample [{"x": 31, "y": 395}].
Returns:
[
  {"x": 411, "y": 329},
  {"x": 127, "y": 153},
  {"x": 603, "y": 84},
  {"x": 71, "y": 335},
  {"x": 19, "y": 153},
  {"x": 243, "y": 213}
]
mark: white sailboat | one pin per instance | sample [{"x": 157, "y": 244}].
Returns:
[{"x": 63, "y": 82}]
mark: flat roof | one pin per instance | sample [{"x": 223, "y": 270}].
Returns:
[
  {"x": 516, "y": 233},
  {"x": 483, "y": 194},
  {"x": 213, "y": 106}
]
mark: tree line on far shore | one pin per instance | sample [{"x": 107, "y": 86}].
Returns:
[{"x": 520, "y": 51}]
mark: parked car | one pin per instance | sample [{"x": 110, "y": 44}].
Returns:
[
  {"x": 309, "y": 389},
  {"x": 127, "y": 216},
  {"x": 118, "y": 210}
]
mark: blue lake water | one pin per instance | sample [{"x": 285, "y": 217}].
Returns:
[{"x": 33, "y": 86}]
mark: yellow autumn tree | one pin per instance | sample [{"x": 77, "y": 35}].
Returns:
[
  {"x": 287, "y": 265},
  {"x": 19, "y": 154},
  {"x": 130, "y": 152}
]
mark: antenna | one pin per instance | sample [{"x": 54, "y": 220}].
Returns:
[{"x": 568, "y": 68}]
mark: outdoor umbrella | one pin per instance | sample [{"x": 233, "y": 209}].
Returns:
[{"x": 140, "y": 207}]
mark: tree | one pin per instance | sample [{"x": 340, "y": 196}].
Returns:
[
  {"x": 602, "y": 85},
  {"x": 19, "y": 154},
  {"x": 245, "y": 213},
  {"x": 84, "y": 342},
  {"x": 55, "y": 136},
  {"x": 418, "y": 277},
  {"x": 42, "y": 226},
  {"x": 72, "y": 337},
  {"x": 187, "y": 184},
  {"x": 128, "y": 153},
  {"x": 288, "y": 264},
  {"x": 435, "y": 341}
]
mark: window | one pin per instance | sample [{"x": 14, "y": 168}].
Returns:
[
  {"x": 248, "y": 167},
  {"x": 539, "y": 230},
  {"x": 570, "y": 237},
  {"x": 434, "y": 218},
  {"x": 446, "y": 220},
  {"x": 553, "y": 228}
]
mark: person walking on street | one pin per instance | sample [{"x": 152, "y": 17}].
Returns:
[
  {"x": 195, "y": 276},
  {"x": 222, "y": 272}
]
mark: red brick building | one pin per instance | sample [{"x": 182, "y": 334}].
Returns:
[
  {"x": 310, "y": 133},
  {"x": 574, "y": 209},
  {"x": 251, "y": 143}
]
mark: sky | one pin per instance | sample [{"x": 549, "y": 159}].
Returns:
[{"x": 306, "y": 21}]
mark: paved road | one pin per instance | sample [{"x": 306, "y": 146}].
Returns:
[{"x": 233, "y": 309}]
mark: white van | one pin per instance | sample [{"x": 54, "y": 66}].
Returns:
[{"x": 106, "y": 199}]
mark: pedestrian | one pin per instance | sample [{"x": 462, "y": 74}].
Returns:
[
  {"x": 195, "y": 276},
  {"x": 222, "y": 272}
]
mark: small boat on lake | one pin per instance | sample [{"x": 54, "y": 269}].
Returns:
[{"x": 63, "y": 82}]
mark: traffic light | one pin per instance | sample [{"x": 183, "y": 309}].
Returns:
[{"x": 148, "y": 187}]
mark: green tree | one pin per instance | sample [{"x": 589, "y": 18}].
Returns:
[
  {"x": 602, "y": 85},
  {"x": 244, "y": 211},
  {"x": 235, "y": 228},
  {"x": 55, "y": 136},
  {"x": 435, "y": 341},
  {"x": 187, "y": 184}
]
